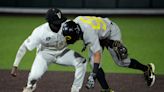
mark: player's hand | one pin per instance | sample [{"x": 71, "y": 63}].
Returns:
[
  {"x": 90, "y": 82},
  {"x": 14, "y": 71}
]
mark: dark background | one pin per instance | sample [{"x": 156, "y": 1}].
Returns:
[{"x": 105, "y": 4}]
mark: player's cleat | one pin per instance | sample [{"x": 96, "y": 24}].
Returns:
[
  {"x": 149, "y": 75},
  {"x": 107, "y": 90},
  {"x": 27, "y": 90}
]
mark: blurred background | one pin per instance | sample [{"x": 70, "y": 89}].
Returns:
[
  {"x": 84, "y": 3},
  {"x": 141, "y": 22},
  {"x": 84, "y": 6}
]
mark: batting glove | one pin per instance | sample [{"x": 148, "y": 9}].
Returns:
[{"x": 90, "y": 82}]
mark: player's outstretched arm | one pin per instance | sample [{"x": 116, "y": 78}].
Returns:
[{"x": 20, "y": 53}]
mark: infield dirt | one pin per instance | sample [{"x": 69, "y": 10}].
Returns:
[{"x": 54, "y": 81}]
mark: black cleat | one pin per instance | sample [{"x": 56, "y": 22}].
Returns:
[{"x": 149, "y": 75}]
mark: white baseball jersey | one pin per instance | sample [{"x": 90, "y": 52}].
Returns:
[
  {"x": 45, "y": 39},
  {"x": 94, "y": 28},
  {"x": 97, "y": 28},
  {"x": 51, "y": 48}
]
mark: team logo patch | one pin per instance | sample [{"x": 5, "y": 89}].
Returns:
[{"x": 48, "y": 38}]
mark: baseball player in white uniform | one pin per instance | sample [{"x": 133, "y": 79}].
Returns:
[
  {"x": 51, "y": 48},
  {"x": 97, "y": 33}
]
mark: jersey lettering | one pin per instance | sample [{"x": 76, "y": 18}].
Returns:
[{"x": 95, "y": 22}]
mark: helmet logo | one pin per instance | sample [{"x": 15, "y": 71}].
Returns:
[
  {"x": 68, "y": 37},
  {"x": 59, "y": 15}
]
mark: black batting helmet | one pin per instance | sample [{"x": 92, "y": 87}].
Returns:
[
  {"x": 71, "y": 32},
  {"x": 55, "y": 16}
]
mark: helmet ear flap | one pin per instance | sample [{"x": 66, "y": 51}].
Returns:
[{"x": 71, "y": 32}]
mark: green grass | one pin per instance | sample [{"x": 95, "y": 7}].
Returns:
[{"x": 143, "y": 36}]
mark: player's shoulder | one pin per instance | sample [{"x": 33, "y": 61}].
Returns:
[
  {"x": 38, "y": 31},
  {"x": 77, "y": 18},
  {"x": 41, "y": 27}
]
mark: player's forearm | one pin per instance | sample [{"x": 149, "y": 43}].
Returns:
[{"x": 20, "y": 53}]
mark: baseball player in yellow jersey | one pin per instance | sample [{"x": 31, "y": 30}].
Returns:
[
  {"x": 97, "y": 33},
  {"x": 51, "y": 48}
]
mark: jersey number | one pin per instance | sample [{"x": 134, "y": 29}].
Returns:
[{"x": 95, "y": 22}]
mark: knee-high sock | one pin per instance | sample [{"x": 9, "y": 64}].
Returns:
[
  {"x": 101, "y": 78},
  {"x": 137, "y": 65}
]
